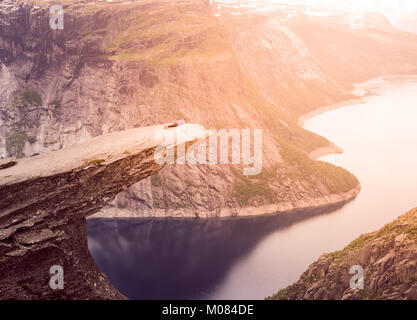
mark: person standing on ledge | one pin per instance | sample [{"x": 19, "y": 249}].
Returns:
[{"x": 176, "y": 123}]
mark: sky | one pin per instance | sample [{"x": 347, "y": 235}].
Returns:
[
  {"x": 384, "y": 6},
  {"x": 387, "y": 7}
]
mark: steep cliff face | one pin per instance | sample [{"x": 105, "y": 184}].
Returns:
[
  {"x": 388, "y": 257},
  {"x": 44, "y": 203},
  {"x": 116, "y": 66}
]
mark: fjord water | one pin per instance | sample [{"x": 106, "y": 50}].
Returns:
[{"x": 251, "y": 258}]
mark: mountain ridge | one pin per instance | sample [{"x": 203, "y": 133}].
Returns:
[{"x": 117, "y": 66}]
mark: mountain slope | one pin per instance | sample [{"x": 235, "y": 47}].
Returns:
[
  {"x": 117, "y": 66},
  {"x": 388, "y": 257},
  {"x": 335, "y": 45}
]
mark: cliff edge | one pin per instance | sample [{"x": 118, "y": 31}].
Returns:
[{"x": 45, "y": 200}]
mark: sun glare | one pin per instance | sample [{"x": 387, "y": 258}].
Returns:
[{"x": 388, "y": 7}]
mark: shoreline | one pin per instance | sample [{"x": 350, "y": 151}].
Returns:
[
  {"x": 304, "y": 117},
  {"x": 233, "y": 213},
  {"x": 324, "y": 151},
  {"x": 250, "y": 212},
  {"x": 364, "y": 88}
]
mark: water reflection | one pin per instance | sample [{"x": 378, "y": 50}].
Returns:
[
  {"x": 252, "y": 258},
  {"x": 179, "y": 258}
]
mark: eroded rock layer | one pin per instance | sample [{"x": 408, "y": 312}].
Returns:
[{"x": 44, "y": 203}]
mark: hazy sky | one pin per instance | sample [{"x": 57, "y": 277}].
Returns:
[
  {"x": 363, "y": 5},
  {"x": 385, "y": 6},
  {"x": 388, "y": 7}
]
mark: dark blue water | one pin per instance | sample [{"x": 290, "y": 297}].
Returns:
[
  {"x": 252, "y": 258},
  {"x": 179, "y": 258}
]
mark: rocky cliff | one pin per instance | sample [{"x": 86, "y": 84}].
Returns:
[
  {"x": 116, "y": 66},
  {"x": 122, "y": 65},
  {"x": 387, "y": 256},
  {"x": 44, "y": 203}
]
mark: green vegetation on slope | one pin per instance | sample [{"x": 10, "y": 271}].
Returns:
[
  {"x": 28, "y": 97},
  {"x": 382, "y": 243},
  {"x": 250, "y": 187},
  {"x": 163, "y": 36},
  {"x": 32, "y": 97},
  {"x": 386, "y": 233},
  {"x": 336, "y": 179},
  {"x": 15, "y": 141}
]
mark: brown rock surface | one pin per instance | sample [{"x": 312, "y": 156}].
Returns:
[
  {"x": 119, "y": 65},
  {"x": 44, "y": 203},
  {"x": 388, "y": 257}
]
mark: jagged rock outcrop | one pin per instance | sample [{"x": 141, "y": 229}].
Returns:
[
  {"x": 45, "y": 200},
  {"x": 387, "y": 256}
]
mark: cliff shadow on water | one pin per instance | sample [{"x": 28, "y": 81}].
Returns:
[{"x": 173, "y": 258}]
